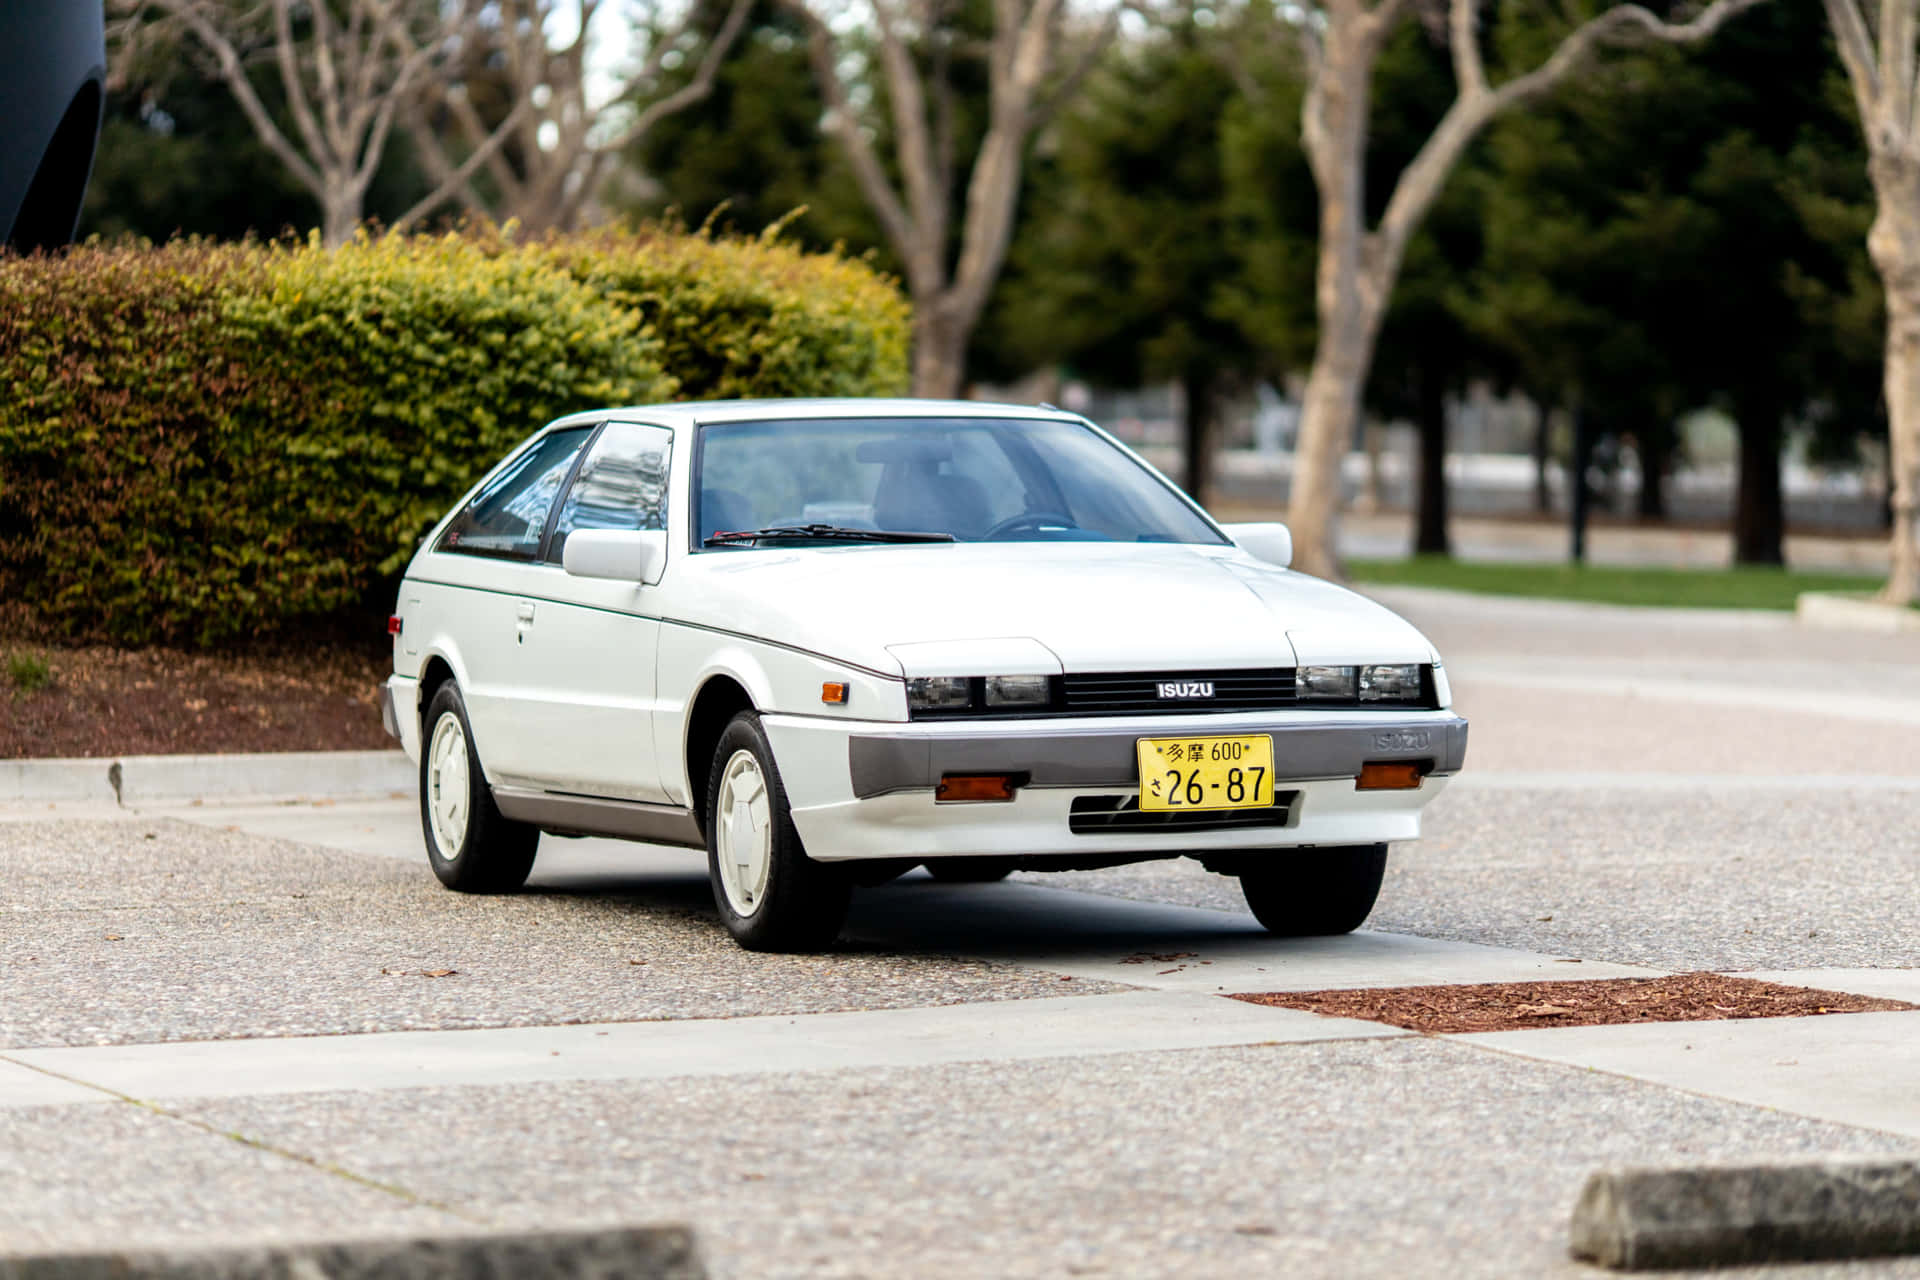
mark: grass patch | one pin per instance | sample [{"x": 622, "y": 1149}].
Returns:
[
  {"x": 1745, "y": 587},
  {"x": 28, "y": 672}
]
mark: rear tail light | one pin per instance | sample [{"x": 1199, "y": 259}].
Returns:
[{"x": 394, "y": 623}]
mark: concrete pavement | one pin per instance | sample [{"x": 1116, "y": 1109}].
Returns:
[{"x": 220, "y": 1022}]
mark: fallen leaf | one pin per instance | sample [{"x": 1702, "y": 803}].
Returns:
[
  {"x": 1542, "y": 1010},
  {"x": 1255, "y": 1229},
  {"x": 438, "y": 973},
  {"x": 113, "y": 937}
]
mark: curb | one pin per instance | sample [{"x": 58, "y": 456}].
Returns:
[
  {"x": 1643, "y": 1219},
  {"x": 127, "y": 781},
  {"x": 643, "y": 1253},
  {"x": 1840, "y": 611}
]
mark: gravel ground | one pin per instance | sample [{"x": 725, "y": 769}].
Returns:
[
  {"x": 1729, "y": 880},
  {"x": 1414, "y": 1157},
  {"x": 97, "y": 1174},
  {"x": 118, "y": 932}
]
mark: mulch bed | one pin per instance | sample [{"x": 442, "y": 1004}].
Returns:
[
  {"x": 104, "y": 701},
  {"x": 1512, "y": 1006}
]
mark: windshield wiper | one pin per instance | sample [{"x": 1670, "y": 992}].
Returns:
[{"x": 821, "y": 533}]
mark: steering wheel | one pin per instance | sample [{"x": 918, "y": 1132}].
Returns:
[{"x": 1027, "y": 520}]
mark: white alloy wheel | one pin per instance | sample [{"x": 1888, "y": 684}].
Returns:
[
  {"x": 449, "y": 793},
  {"x": 745, "y": 814}
]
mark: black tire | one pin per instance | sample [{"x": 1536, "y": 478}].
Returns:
[
  {"x": 969, "y": 870},
  {"x": 803, "y": 903},
  {"x": 1314, "y": 893},
  {"x": 495, "y": 854}
]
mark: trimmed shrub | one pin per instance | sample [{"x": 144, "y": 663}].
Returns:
[{"x": 200, "y": 443}]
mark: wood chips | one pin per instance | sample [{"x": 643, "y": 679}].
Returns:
[{"x": 1513, "y": 1006}]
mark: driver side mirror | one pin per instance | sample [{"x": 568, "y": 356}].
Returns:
[
  {"x": 623, "y": 555},
  {"x": 1269, "y": 541}
]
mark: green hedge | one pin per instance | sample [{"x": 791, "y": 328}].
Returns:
[{"x": 200, "y": 443}]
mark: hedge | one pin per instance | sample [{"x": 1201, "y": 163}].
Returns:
[{"x": 204, "y": 443}]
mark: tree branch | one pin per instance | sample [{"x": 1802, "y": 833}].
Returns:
[
  {"x": 286, "y": 57},
  {"x": 867, "y": 172},
  {"x": 1857, "y": 55},
  {"x": 696, "y": 89},
  {"x": 454, "y": 181},
  {"x": 1070, "y": 83}
]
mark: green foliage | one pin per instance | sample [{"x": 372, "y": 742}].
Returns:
[
  {"x": 1743, "y": 587},
  {"x": 28, "y": 672},
  {"x": 200, "y": 443}
]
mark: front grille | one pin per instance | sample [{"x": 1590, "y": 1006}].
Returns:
[
  {"x": 1138, "y": 692},
  {"x": 1100, "y": 815}
]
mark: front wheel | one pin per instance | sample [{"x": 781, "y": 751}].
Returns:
[
  {"x": 472, "y": 847},
  {"x": 771, "y": 895},
  {"x": 1310, "y": 893}
]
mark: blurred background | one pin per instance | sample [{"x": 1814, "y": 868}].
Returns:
[{"x": 1640, "y": 298}]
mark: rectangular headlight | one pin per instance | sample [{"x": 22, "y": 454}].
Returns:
[
  {"x": 1325, "y": 684},
  {"x": 1017, "y": 691},
  {"x": 1396, "y": 683},
  {"x": 937, "y": 693}
]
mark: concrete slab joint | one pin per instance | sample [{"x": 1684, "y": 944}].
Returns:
[
  {"x": 626, "y": 1253},
  {"x": 1647, "y": 1219}
]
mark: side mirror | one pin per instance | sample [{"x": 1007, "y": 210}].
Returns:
[
  {"x": 1269, "y": 541},
  {"x": 623, "y": 555}
]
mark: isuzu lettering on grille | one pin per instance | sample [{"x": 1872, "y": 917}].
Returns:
[{"x": 1186, "y": 688}]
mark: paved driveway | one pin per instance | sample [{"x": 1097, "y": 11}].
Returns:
[{"x": 271, "y": 1022}]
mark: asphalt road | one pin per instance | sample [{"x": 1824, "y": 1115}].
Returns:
[{"x": 266, "y": 1023}]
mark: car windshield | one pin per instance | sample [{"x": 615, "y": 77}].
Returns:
[{"x": 972, "y": 479}]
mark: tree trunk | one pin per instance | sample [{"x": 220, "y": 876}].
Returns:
[
  {"x": 1759, "y": 514},
  {"x": 339, "y": 217},
  {"x": 939, "y": 353},
  {"x": 1199, "y": 434},
  {"x": 1655, "y": 457},
  {"x": 1895, "y": 246},
  {"x": 1330, "y": 412},
  {"x": 1430, "y": 525},
  {"x": 1542, "y": 450}
]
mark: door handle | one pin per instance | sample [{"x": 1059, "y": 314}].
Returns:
[{"x": 526, "y": 612}]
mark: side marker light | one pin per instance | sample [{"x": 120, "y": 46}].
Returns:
[
  {"x": 834, "y": 691},
  {"x": 974, "y": 786},
  {"x": 394, "y": 623},
  {"x": 1389, "y": 775}
]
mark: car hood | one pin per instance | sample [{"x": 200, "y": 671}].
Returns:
[{"x": 1092, "y": 606}]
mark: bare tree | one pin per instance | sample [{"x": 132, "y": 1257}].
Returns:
[
  {"x": 1883, "y": 67},
  {"x": 562, "y": 148},
  {"x": 912, "y": 67},
  {"x": 1358, "y": 265},
  {"x": 346, "y": 68}
]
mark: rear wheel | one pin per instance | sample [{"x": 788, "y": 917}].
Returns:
[
  {"x": 471, "y": 846},
  {"x": 771, "y": 895},
  {"x": 969, "y": 870},
  {"x": 1316, "y": 892}
]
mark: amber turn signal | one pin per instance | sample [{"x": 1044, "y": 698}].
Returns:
[
  {"x": 833, "y": 691},
  {"x": 974, "y": 786},
  {"x": 1389, "y": 775}
]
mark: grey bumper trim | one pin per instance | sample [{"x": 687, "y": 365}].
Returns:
[
  {"x": 1105, "y": 757},
  {"x": 389, "y": 715}
]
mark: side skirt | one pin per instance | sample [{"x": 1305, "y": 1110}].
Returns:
[{"x": 565, "y": 814}]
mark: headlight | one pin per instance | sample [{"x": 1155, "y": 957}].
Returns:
[
  {"x": 1399, "y": 683},
  {"x": 1331, "y": 684},
  {"x": 1018, "y": 691},
  {"x": 938, "y": 693},
  {"x": 1381, "y": 682}
]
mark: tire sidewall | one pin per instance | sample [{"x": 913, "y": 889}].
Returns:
[
  {"x": 799, "y": 902},
  {"x": 448, "y": 864}
]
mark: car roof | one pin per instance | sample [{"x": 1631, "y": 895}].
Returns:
[{"x": 699, "y": 411}]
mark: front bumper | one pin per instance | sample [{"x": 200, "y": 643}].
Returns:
[{"x": 865, "y": 790}]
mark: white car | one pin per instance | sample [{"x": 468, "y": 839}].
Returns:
[{"x": 830, "y": 640}]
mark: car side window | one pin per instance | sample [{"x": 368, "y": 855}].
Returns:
[
  {"x": 507, "y": 518},
  {"x": 621, "y": 485}
]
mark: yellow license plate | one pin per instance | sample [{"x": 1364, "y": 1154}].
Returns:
[{"x": 1205, "y": 773}]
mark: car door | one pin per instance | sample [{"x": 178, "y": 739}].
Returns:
[
  {"x": 484, "y": 584},
  {"x": 592, "y": 645}
]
